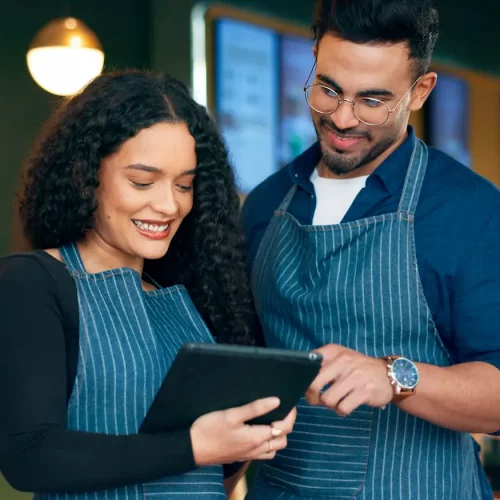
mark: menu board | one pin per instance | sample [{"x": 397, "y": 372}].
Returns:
[
  {"x": 259, "y": 99},
  {"x": 246, "y": 81},
  {"x": 296, "y": 127}
]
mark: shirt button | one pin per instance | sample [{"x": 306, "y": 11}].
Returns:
[
  {"x": 296, "y": 175},
  {"x": 312, "y": 197}
]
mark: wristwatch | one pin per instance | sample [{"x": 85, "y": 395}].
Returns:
[{"x": 403, "y": 375}]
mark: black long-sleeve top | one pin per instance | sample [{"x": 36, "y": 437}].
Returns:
[{"x": 39, "y": 338}]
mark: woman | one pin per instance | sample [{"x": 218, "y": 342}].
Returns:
[{"x": 131, "y": 197}]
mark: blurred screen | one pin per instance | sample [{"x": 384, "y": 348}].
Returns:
[
  {"x": 448, "y": 117},
  {"x": 246, "y": 98},
  {"x": 296, "y": 127}
]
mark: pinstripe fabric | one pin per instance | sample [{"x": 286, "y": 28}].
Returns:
[
  {"x": 356, "y": 284},
  {"x": 128, "y": 340}
]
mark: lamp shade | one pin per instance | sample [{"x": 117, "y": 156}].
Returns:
[{"x": 64, "y": 56}]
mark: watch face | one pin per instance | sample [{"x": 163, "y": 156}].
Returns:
[{"x": 405, "y": 373}]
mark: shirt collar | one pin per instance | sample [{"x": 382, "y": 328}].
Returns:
[
  {"x": 391, "y": 172},
  {"x": 301, "y": 168}
]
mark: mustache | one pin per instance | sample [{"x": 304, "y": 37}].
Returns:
[{"x": 345, "y": 133}]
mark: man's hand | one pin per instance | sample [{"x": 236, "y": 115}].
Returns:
[{"x": 355, "y": 380}]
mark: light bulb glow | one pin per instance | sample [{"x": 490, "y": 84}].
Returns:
[
  {"x": 75, "y": 42},
  {"x": 64, "y": 70}
]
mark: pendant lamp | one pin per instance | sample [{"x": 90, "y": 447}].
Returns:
[{"x": 64, "y": 56}]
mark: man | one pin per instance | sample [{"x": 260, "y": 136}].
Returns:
[{"x": 384, "y": 255}]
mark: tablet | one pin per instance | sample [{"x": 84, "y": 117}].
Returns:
[{"x": 209, "y": 377}]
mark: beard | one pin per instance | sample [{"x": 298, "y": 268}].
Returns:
[{"x": 342, "y": 162}]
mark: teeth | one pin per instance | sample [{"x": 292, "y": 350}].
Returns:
[{"x": 150, "y": 227}]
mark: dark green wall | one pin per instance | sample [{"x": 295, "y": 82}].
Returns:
[
  {"x": 469, "y": 34},
  {"x": 123, "y": 28}
]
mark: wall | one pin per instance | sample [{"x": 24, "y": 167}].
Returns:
[{"x": 24, "y": 106}]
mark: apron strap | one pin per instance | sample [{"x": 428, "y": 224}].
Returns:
[
  {"x": 414, "y": 178},
  {"x": 152, "y": 280},
  {"x": 72, "y": 258},
  {"x": 73, "y": 261},
  {"x": 288, "y": 198}
]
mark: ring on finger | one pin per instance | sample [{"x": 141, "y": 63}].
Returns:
[{"x": 275, "y": 432}]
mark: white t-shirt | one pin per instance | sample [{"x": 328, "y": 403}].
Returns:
[{"x": 334, "y": 197}]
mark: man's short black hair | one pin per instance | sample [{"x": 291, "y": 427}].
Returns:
[{"x": 415, "y": 22}]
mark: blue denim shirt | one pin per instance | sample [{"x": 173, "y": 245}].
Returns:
[{"x": 457, "y": 233}]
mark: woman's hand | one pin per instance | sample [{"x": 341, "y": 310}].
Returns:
[{"x": 223, "y": 436}]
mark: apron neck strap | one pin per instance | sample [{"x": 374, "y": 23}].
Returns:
[
  {"x": 414, "y": 178},
  {"x": 288, "y": 198},
  {"x": 72, "y": 258},
  {"x": 152, "y": 280}
]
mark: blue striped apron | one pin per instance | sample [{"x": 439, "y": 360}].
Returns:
[
  {"x": 356, "y": 284},
  {"x": 128, "y": 340}
]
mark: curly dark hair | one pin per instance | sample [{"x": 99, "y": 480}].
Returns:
[
  {"x": 58, "y": 203},
  {"x": 415, "y": 22}
]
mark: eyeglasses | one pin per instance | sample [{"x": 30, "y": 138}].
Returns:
[{"x": 367, "y": 110}]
